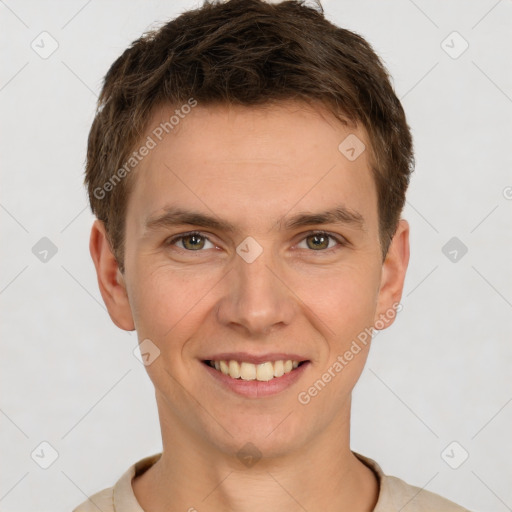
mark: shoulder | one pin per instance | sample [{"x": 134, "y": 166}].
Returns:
[
  {"x": 103, "y": 500},
  {"x": 399, "y": 495},
  {"x": 120, "y": 497}
]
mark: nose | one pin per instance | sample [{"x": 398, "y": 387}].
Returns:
[{"x": 257, "y": 300}]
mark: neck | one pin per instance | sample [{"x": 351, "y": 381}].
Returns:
[{"x": 322, "y": 475}]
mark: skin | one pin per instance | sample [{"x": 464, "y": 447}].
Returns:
[{"x": 252, "y": 167}]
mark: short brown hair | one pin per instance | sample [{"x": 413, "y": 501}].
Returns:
[{"x": 246, "y": 52}]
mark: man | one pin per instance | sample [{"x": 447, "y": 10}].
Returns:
[{"x": 248, "y": 166}]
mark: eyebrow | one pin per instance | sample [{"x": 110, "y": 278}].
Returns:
[{"x": 175, "y": 216}]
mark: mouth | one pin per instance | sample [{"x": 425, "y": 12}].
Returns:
[{"x": 262, "y": 372}]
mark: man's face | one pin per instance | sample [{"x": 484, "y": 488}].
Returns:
[{"x": 268, "y": 287}]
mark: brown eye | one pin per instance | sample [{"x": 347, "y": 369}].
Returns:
[
  {"x": 191, "y": 241},
  {"x": 320, "y": 242}
]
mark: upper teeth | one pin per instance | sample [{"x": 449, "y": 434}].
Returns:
[{"x": 248, "y": 371}]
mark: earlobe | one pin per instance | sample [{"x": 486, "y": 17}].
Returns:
[
  {"x": 110, "y": 279},
  {"x": 394, "y": 269}
]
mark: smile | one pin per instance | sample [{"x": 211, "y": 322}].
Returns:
[{"x": 263, "y": 372}]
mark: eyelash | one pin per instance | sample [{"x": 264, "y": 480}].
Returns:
[{"x": 339, "y": 240}]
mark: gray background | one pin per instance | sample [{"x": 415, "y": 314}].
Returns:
[{"x": 440, "y": 374}]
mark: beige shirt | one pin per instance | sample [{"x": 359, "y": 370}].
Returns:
[{"x": 394, "y": 494}]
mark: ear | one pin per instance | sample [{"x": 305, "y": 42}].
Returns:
[
  {"x": 393, "y": 277},
  {"x": 110, "y": 279}
]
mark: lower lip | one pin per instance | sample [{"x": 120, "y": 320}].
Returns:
[{"x": 256, "y": 388}]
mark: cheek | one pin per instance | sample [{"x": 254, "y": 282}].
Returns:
[
  {"x": 163, "y": 300},
  {"x": 169, "y": 304},
  {"x": 345, "y": 300},
  {"x": 347, "y": 307}
]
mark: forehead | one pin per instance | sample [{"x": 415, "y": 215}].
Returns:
[{"x": 260, "y": 161}]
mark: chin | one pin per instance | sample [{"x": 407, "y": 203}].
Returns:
[{"x": 271, "y": 437}]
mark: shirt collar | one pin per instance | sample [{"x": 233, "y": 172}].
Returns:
[{"x": 124, "y": 499}]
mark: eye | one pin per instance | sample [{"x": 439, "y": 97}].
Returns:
[
  {"x": 320, "y": 241},
  {"x": 193, "y": 242},
  {"x": 317, "y": 241}
]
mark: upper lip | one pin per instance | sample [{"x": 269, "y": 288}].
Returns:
[{"x": 254, "y": 358}]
